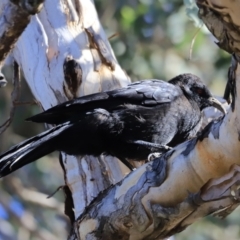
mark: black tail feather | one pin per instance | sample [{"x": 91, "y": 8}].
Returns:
[{"x": 30, "y": 150}]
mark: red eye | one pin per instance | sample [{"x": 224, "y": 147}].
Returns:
[{"x": 199, "y": 91}]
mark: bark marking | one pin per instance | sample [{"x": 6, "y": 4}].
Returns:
[
  {"x": 97, "y": 43},
  {"x": 72, "y": 76}
]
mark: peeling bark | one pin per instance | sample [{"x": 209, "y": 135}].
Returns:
[
  {"x": 14, "y": 19},
  {"x": 222, "y": 20},
  {"x": 102, "y": 51}
]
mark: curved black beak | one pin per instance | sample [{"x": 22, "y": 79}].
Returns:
[{"x": 215, "y": 103}]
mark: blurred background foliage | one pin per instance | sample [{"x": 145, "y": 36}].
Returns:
[{"x": 154, "y": 40}]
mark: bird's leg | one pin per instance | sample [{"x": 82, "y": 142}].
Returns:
[
  {"x": 161, "y": 148},
  {"x": 231, "y": 84},
  {"x": 158, "y": 149},
  {"x": 151, "y": 145},
  {"x": 125, "y": 162}
]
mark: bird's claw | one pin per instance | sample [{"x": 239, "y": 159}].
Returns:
[
  {"x": 166, "y": 148},
  {"x": 154, "y": 155}
]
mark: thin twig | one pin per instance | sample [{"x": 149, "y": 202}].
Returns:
[
  {"x": 57, "y": 190},
  {"x": 34, "y": 102},
  {"x": 36, "y": 198},
  {"x": 14, "y": 97},
  {"x": 193, "y": 41},
  {"x": 113, "y": 36}
]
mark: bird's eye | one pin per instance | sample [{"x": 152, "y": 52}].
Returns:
[{"x": 198, "y": 90}]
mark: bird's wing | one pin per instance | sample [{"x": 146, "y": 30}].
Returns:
[
  {"x": 148, "y": 92},
  {"x": 144, "y": 93}
]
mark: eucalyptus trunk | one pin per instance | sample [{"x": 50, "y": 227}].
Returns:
[{"x": 64, "y": 53}]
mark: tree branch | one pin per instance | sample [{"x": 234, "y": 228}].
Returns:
[
  {"x": 14, "y": 18},
  {"x": 158, "y": 200},
  {"x": 222, "y": 20}
]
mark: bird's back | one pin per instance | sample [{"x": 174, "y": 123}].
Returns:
[{"x": 147, "y": 93}]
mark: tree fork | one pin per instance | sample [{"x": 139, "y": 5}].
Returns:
[{"x": 162, "y": 197}]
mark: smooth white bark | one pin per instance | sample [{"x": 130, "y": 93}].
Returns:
[{"x": 54, "y": 34}]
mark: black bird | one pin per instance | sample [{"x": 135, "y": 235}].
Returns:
[{"x": 129, "y": 123}]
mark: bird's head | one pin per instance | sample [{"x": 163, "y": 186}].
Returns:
[{"x": 194, "y": 89}]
